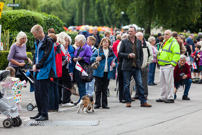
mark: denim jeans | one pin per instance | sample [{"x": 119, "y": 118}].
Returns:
[
  {"x": 138, "y": 80},
  {"x": 53, "y": 95},
  {"x": 82, "y": 89},
  {"x": 90, "y": 87},
  {"x": 151, "y": 74},
  {"x": 187, "y": 83}
]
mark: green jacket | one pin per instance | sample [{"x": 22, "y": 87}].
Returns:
[{"x": 170, "y": 53}]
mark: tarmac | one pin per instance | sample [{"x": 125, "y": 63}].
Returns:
[{"x": 180, "y": 118}]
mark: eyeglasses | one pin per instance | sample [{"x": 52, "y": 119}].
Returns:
[{"x": 166, "y": 34}]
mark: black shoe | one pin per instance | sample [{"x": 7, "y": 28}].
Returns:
[
  {"x": 185, "y": 97},
  {"x": 41, "y": 118},
  {"x": 37, "y": 116},
  {"x": 151, "y": 84},
  {"x": 76, "y": 103},
  {"x": 160, "y": 100},
  {"x": 169, "y": 101},
  {"x": 96, "y": 107},
  {"x": 105, "y": 107},
  {"x": 154, "y": 84}
]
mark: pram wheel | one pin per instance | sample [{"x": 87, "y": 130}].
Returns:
[
  {"x": 30, "y": 107},
  {"x": 7, "y": 123},
  {"x": 19, "y": 121},
  {"x": 15, "y": 122}
]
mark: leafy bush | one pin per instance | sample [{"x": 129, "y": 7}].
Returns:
[
  {"x": 4, "y": 62},
  {"x": 72, "y": 35},
  {"x": 23, "y": 20}
]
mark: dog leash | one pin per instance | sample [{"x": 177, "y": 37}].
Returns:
[{"x": 51, "y": 79}]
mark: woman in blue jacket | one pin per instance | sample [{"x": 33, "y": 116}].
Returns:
[{"x": 104, "y": 72}]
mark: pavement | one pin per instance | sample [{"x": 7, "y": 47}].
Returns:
[{"x": 180, "y": 118}]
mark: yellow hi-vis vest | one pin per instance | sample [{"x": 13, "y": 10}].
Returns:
[{"x": 169, "y": 53}]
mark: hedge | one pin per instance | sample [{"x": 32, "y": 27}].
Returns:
[
  {"x": 23, "y": 20},
  {"x": 4, "y": 62}
]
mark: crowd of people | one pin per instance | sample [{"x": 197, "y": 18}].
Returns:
[{"x": 127, "y": 57}]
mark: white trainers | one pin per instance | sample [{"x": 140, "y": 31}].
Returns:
[{"x": 68, "y": 104}]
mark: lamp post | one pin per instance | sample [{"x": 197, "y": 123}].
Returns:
[
  {"x": 122, "y": 13},
  {"x": 14, "y": 3}
]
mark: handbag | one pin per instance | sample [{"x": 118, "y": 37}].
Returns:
[
  {"x": 96, "y": 64},
  {"x": 89, "y": 70}
]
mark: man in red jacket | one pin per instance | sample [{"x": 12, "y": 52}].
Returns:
[{"x": 182, "y": 76}]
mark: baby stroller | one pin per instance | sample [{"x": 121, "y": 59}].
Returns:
[{"x": 8, "y": 106}]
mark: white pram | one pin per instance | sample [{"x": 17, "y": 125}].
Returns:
[{"x": 8, "y": 106}]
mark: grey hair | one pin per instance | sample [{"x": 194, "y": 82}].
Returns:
[
  {"x": 199, "y": 34},
  {"x": 182, "y": 56},
  {"x": 191, "y": 35},
  {"x": 20, "y": 35},
  {"x": 80, "y": 38},
  {"x": 95, "y": 27},
  {"x": 169, "y": 32},
  {"x": 133, "y": 27},
  {"x": 151, "y": 39},
  {"x": 86, "y": 28},
  {"x": 139, "y": 33},
  {"x": 61, "y": 38},
  {"x": 125, "y": 35}
]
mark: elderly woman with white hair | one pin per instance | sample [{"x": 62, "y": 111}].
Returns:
[
  {"x": 64, "y": 41},
  {"x": 152, "y": 65},
  {"x": 17, "y": 54},
  {"x": 82, "y": 55}
]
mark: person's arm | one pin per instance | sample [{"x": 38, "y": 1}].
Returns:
[
  {"x": 122, "y": 53},
  {"x": 183, "y": 49},
  {"x": 188, "y": 71},
  {"x": 141, "y": 54},
  {"x": 151, "y": 54},
  {"x": 47, "y": 52},
  {"x": 176, "y": 53},
  {"x": 88, "y": 54},
  {"x": 93, "y": 57}
]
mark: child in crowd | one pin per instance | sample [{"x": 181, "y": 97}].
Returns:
[
  {"x": 12, "y": 71},
  {"x": 196, "y": 63},
  {"x": 90, "y": 86},
  {"x": 91, "y": 41},
  {"x": 200, "y": 65},
  {"x": 12, "y": 74}
]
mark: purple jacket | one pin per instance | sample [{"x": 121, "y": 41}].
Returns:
[
  {"x": 85, "y": 53},
  {"x": 200, "y": 62}
]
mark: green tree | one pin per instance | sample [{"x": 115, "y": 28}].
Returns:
[{"x": 174, "y": 14}]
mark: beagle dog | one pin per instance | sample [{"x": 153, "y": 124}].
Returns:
[{"x": 87, "y": 103}]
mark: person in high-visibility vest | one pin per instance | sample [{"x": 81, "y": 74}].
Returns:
[{"x": 167, "y": 57}]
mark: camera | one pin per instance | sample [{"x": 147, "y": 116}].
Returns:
[{"x": 182, "y": 74}]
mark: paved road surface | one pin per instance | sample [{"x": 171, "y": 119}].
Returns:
[{"x": 180, "y": 118}]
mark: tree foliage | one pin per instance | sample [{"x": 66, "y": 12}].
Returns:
[{"x": 174, "y": 14}]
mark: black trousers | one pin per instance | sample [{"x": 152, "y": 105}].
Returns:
[
  {"x": 65, "y": 81},
  {"x": 120, "y": 81},
  {"x": 41, "y": 96},
  {"x": 101, "y": 90}
]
